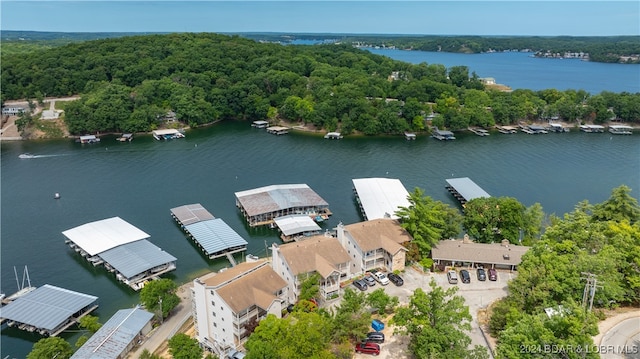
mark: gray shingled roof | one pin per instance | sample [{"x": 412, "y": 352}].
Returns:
[
  {"x": 191, "y": 213},
  {"x": 46, "y": 307},
  {"x": 136, "y": 257},
  {"x": 278, "y": 197},
  {"x": 215, "y": 235},
  {"x": 111, "y": 340}
]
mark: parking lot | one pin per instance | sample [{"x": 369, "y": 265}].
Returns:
[{"x": 478, "y": 295}]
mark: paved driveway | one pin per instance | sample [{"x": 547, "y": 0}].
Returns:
[{"x": 478, "y": 295}]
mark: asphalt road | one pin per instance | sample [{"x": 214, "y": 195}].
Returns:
[{"x": 622, "y": 341}]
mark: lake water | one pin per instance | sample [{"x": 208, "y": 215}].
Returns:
[
  {"x": 142, "y": 180},
  {"x": 520, "y": 70}
]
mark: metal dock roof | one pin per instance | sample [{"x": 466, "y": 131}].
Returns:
[
  {"x": 215, "y": 236},
  {"x": 294, "y": 224},
  {"x": 466, "y": 188},
  {"x": 380, "y": 197},
  {"x": 113, "y": 338},
  {"x": 99, "y": 236},
  {"x": 47, "y": 307},
  {"x": 278, "y": 197},
  {"x": 137, "y": 257},
  {"x": 191, "y": 213}
]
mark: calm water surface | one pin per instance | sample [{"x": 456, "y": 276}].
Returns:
[
  {"x": 142, "y": 180},
  {"x": 520, "y": 70}
]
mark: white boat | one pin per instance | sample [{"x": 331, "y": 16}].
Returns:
[
  {"x": 333, "y": 135},
  {"x": 27, "y": 155}
]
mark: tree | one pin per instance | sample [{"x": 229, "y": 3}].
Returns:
[
  {"x": 351, "y": 319},
  {"x": 618, "y": 207},
  {"x": 492, "y": 219},
  {"x": 182, "y": 346},
  {"x": 160, "y": 292},
  {"x": 310, "y": 287},
  {"x": 380, "y": 300},
  {"x": 146, "y": 354},
  {"x": 436, "y": 322},
  {"x": 90, "y": 323},
  {"x": 299, "y": 335},
  {"x": 428, "y": 221},
  {"x": 567, "y": 334},
  {"x": 52, "y": 347}
]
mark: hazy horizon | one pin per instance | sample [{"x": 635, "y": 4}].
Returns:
[{"x": 402, "y": 18}]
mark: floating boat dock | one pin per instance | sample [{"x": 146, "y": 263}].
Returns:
[
  {"x": 296, "y": 227},
  {"x": 126, "y": 137},
  {"x": 479, "y": 131},
  {"x": 167, "y": 134},
  {"x": 556, "y": 127},
  {"x": 212, "y": 235},
  {"x": 442, "y": 135},
  {"x": 123, "y": 250},
  {"x": 333, "y": 136},
  {"x": 508, "y": 130},
  {"x": 260, "y": 124},
  {"x": 88, "y": 139},
  {"x": 410, "y": 136},
  {"x": 380, "y": 197},
  {"x": 278, "y": 130},
  {"x": 620, "y": 130},
  {"x": 48, "y": 310},
  {"x": 592, "y": 128},
  {"x": 464, "y": 189},
  {"x": 260, "y": 206}
]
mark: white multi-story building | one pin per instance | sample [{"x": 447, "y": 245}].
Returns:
[
  {"x": 323, "y": 255},
  {"x": 224, "y": 302},
  {"x": 375, "y": 244}
]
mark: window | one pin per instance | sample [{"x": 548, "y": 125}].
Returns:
[
  {"x": 215, "y": 325},
  {"x": 221, "y": 308},
  {"x": 213, "y": 313}
]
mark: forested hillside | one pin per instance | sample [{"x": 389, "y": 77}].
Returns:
[{"x": 129, "y": 83}]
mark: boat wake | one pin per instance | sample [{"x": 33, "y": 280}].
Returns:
[{"x": 29, "y": 155}]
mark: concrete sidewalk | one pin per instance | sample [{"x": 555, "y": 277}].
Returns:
[{"x": 170, "y": 326}]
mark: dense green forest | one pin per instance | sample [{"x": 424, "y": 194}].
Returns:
[{"x": 129, "y": 83}]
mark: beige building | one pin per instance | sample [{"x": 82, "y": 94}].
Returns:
[
  {"x": 467, "y": 253},
  {"x": 319, "y": 254},
  {"x": 374, "y": 244},
  {"x": 224, "y": 302}
]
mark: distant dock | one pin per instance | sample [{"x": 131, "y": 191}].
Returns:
[{"x": 277, "y": 130}]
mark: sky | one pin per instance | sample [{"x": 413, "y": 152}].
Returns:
[{"x": 452, "y": 17}]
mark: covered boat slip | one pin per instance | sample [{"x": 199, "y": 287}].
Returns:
[
  {"x": 464, "y": 189},
  {"x": 214, "y": 237},
  {"x": 261, "y": 205},
  {"x": 296, "y": 227},
  {"x": 620, "y": 130},
  {"x": 380, "y": 197},
  {"x": 167, "y": 134},
  {"x": 48, "y": 310},
  {"x": 117, "y": 336},
  {"x": 122, "y": 248}
]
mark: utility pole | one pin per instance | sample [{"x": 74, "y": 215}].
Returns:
[{"x": 589, "y": 289}]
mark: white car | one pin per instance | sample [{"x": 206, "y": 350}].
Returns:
[{"x": 381, "y": 278}]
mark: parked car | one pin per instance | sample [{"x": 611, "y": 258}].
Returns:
[
  {"x": 452, "y": 277},
  {"x": 493, "y": 274},
  {"x": 481, "y": 274},
  {"x": 368, "y": 348},
  {"x": 464, "y": 276},
  {"x": 381, "y": 278},
  {"x": 395, "y": 279},
  {"x": 369, "y": 280},
  {"x": 360, "y": 284},
  {"x": 376, "y": 337},
  {"x": 234, "y": 354}
]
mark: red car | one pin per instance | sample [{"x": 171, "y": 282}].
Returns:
[{"x": 368, "y": 348}]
